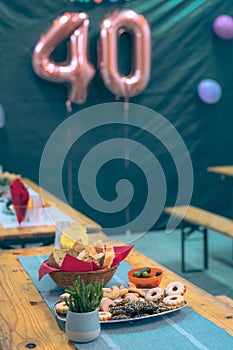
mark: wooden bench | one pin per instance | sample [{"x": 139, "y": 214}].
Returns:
[{"x": 196, "y": 219}]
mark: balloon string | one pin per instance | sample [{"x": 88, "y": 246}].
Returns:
[
  {"x": 126, "y": 127},
  {"x": 126, "y": 136},
  {"x": 68, "y": 106}
]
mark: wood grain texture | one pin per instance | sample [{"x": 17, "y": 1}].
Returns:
[
  {"x": 226, "y": 299},
  {"x": 25, "y": 318},
  {"x": 37, "y": 232},
  {"x": 204, "y": 218}
]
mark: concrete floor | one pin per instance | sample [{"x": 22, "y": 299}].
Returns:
[{"x": 166, "y": 249}]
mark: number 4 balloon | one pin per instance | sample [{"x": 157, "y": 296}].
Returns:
[{"x": 76, "y": 70}]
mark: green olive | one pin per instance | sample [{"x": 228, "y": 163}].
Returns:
[
  {"x": 147, "y": 269},
  {"x": 158, "y": 273},
  {"x": 146, "y": 274},
  {"x": 137, "y": 274}
]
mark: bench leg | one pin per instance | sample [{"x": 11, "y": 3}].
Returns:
[
  {"x": 205, "y": 242},
  {"x": 184, "y": 237}
]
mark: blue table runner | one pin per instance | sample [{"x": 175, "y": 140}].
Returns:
[{"x": 183, "y": 330}]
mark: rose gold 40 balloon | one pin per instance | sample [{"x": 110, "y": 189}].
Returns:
[{"x": 78, "y": 71}]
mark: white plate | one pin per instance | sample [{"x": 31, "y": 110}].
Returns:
[{"x": 63, "y": 318}]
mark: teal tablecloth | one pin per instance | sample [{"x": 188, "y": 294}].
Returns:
[{"x": 181, "y": 330}]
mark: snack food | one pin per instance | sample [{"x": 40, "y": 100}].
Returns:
[
  {"x": 142, "y": 273},
  {"x": 174, "y": 301},
  {"x": 175, "y": 288},
  {"x": 134, "y": 303},
  {"x": 136, "y": 290},
  {"x": 109, "y": 256},
  {"x": 105, "y": 303},
  {"x": 155, "y": 294},
  {"x": 61, "y": 307},
  {"x": 112, "y": 293},
  {"x": 64, "y": 296},
  {"x": 56, "y": 258},
  {"x": 104, "y": 315},
  {"x": 146, "y": 277},
  {"x": 96, "y": 252}
]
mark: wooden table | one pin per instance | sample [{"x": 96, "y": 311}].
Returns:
[
  {"x": 25, "y": 318},
  {"x": 224, "y": 171},
  {"x": 44, "y": 234}
]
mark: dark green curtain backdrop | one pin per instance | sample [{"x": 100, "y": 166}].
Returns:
[{"x": 184, "y": 51}]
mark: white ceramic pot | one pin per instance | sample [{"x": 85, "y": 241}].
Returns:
[{"x": 82, "y": 327}]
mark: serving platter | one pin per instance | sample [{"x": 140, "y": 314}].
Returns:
[{"x": 140, "y": 318}]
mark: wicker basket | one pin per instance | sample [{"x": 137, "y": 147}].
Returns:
[{"x": 66, "y": 279}]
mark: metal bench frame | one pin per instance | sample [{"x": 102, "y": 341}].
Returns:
[{"x": 187, "y": 230}]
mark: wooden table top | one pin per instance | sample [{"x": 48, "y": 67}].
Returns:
[
  {"x": 27, "y": 233},
  {"x": 25, "y": 318},
  {"x": 224, "y": 171}
]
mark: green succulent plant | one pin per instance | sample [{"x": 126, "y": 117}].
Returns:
[{"x": 84, "y": 297}]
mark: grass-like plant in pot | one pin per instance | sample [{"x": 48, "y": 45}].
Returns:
[{"x": 82, "y": 321}]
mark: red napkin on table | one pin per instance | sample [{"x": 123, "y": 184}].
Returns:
[
  {"x": 72, "y": 264},
  {"x": 19, "y": 197}
]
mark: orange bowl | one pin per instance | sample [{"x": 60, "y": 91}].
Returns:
[{"x": 146, "y": 283}]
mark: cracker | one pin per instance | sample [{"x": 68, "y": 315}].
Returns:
[
  {"x": 109, "y": 256},
  {"x": 99, "y": 259},
  {"x": 59, "y": 255},
  {"x": 78, "y": 246},
  {"x": 52, "y": 262}
]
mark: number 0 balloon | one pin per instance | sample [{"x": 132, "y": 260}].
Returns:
[{"x": 111, "y": 28}]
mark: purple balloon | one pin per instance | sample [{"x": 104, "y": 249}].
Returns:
[
  {"x": 223, "y": 27},
  {"x": 209, "y": 91}
]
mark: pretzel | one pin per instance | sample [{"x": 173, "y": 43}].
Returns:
[
  {"x": 111, "y": 293},
  {"x": 131, "y": 285},
  {"x": 123, "y": 291},
  {"x": 65, "y": 296},
  {"x": 61, "y": 308},
  {"x": 105, "y": 303},
  {"x": 104, "y": 315},
  {"x": 137, "y": 290}
]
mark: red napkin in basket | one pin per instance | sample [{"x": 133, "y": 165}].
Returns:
[
  {"x": 19, "y": 197},
  {"x": 72, "y": 264}
]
